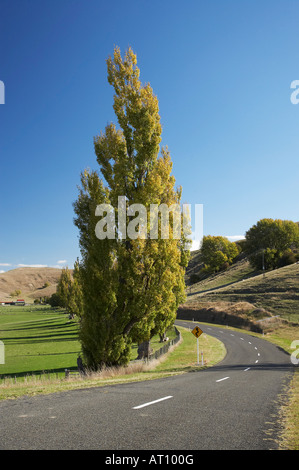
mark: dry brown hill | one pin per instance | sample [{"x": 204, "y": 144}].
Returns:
[
  {"x": 276, "y": 291},
  {"x": 30, "y": 281}
]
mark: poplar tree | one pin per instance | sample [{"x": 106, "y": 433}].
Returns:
[
  {"x": 64, "y": 287},
  {"x": 131, "y": 286},
  {"x": 69, "y": 291}
]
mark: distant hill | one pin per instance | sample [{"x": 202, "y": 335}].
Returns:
[
  {"x": 276, "y": 291},
  {"x": 30, "y": 281}
]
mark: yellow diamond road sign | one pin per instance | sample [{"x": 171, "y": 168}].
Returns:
[{"x": 197, "y": 331}]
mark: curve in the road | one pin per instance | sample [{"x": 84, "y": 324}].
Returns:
[{"x": 232, "y": 405}]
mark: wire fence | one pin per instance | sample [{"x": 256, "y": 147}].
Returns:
[
  {"x": 165, "y": 348},
  {"x": 155, "y": 355}
]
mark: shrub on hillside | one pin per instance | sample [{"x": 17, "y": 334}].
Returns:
[
  {"x": 55, "y": 300},
  {"x": 218, "y": 253},
  {"x": 270, "y": 242},
  {"x": 287, "y": 258}
]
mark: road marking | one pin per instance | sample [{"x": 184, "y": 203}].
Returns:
[
  {"x": 249, "y": 342},
  {"x": 232, "y": 334},
  {"x": 242, "y": 339},
  {"x": 245, "y": 370},
  {"x": 151, "y": 402},
  {"x": 255, "y": 347},
  {"x": 256, "y": 361},
  {"x": 224, "y": 378},
  {"x": 258, "y": 354}
]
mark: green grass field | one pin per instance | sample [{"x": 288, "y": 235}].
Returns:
[
  {"x": 40, "y": 339},
  {"x": 37, "y": 339}
]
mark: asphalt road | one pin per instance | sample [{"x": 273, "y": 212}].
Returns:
[{"x": 231, "y": 406}]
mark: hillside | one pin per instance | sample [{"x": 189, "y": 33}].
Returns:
[
  {"x": 30, "y": 281},
  {"x": 277, "y": 291}
]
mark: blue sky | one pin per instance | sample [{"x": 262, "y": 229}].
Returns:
[{"x": 222, "y": 71}]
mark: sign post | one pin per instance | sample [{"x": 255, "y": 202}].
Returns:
[{"x": 197, "y": 332}]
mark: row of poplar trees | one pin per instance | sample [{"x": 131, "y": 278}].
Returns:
[{"x": 129, "y": 288}]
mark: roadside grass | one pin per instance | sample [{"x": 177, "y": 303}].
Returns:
[
  {"x": 184, "y": 358},
  {"x": 290, "y": 416},
  {"x": 284, "y": 337}
]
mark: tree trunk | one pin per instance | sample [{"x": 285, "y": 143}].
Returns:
[{"x": 144, "y": 350}]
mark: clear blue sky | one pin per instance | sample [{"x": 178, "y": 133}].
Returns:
[{"x": 222, "y": 71}]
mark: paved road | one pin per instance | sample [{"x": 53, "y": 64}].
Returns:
[{"x": 230, "y": 406}]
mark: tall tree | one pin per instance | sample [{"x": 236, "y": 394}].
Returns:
[
  {"x": 69, "y": 291},
  {"x": 64, "y": 287},
  {"x": 132, "y": 285}
]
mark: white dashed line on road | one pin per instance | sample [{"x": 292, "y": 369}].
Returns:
[
  {"x": 151, "y": 402},
  {"x": 220, "y": 380}
]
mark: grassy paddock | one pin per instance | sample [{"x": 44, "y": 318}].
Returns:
[
  {"x": 37, "y": 339},
  {"x": 42, "y": 341}
]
